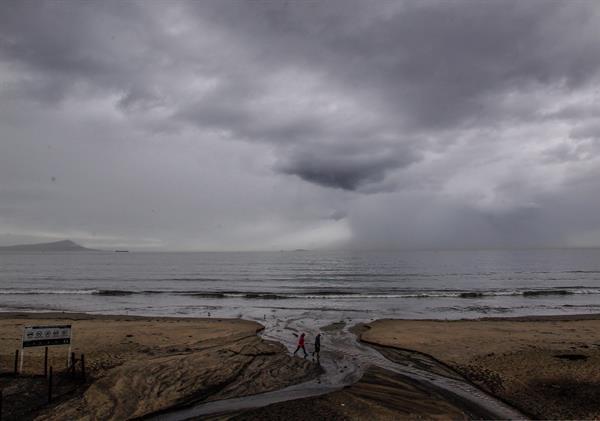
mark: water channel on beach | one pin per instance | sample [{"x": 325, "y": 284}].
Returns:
[{"x": 344, "y": 359}]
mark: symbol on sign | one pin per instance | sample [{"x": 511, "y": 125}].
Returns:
[{"x": 46, "y": 335}]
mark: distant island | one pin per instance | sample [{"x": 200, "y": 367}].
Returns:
[{"x": 65, "y": 245}]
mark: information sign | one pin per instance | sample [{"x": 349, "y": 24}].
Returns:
[{"x": 46, "y": 335}]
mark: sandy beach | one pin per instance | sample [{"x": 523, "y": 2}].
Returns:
[
  {"x": 138, "y": 366},
  {"x": 545, "y": 366}
]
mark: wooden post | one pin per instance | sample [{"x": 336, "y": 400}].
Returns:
[
  {"x": 73, "y": 360},
  {"x": 46, "y": 362},
  {"x": 83, "y": 367},
  {"x": 50, "y": 386},
  {"x": 16, "y": 361}
]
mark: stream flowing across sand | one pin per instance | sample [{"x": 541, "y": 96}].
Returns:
[{"x": 344, "y": 359}]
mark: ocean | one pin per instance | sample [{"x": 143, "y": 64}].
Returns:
[{"x": 325, "y": 285}]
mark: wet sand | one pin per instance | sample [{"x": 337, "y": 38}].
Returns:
[
  {"x": 138, "y": 366},
  {"x": 388, "y": 384},
  {"x": 545, "y": 366},
  {"x": 378, "y": 395}
]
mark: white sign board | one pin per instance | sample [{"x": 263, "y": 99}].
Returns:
[{"x": 46, "y": 335}]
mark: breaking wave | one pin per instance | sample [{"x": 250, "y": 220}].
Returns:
[{"x": 316, "y": 294}]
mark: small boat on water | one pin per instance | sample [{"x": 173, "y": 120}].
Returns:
[{"x": 121, "y": 251}]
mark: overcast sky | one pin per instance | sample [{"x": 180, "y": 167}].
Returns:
[{"x": 231, "y": 125}]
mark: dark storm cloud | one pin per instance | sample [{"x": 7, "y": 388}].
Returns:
[
  {"x": 434, "y": 103},
  {"x": 106, "y": 48},
  {"x": 347, "y": 174},
  {"x": 345, "y": 168},
  {"x": 420, "y": 66},
  {"x": 436, "y": 63}
]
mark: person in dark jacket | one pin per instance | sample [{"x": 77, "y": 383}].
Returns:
[
  {"x": 301, "y": 345},
  {"x": 317, "y": 350}
]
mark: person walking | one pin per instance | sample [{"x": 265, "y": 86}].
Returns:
[
  {"x": 317, "y": 350},
  {"x": 301, "y": 345}
]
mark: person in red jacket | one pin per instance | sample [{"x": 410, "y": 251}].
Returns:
[{"x": 301, "y": 345}]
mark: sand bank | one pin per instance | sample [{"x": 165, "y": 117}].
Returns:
[
  {"x": 546, "y": 366},
  {"x": 379, "y": 395},
  {"x": 138, "y": 366}
]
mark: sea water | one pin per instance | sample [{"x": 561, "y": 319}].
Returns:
[{"x": 325, "y": 284}]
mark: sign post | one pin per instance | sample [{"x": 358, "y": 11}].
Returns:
[{"x": 45, "y": 336}]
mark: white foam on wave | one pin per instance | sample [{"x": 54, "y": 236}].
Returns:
[
  {"x": 530, "y": 293},
  {"x": 48, "y": 291}
]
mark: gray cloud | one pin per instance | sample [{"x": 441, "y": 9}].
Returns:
[
  {"x": 337, "y": 215},
  {"x": 182, "y": 112},
  {"x": 590, "y": 130},
  {"x": 347, "y": 174},
  {"x": 436, "y": 63},
  {"x": 345, "y": 169}
]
